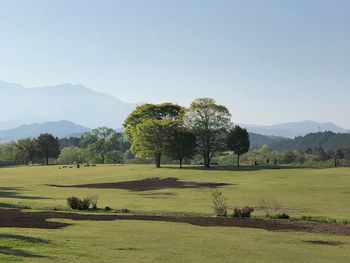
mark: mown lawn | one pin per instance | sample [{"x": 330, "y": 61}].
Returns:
[{"x": 321, "y": 192}]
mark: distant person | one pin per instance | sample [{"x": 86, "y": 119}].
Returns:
[
  {"x": 275, "y": 162},
  {"x": 268, "y": 161}
]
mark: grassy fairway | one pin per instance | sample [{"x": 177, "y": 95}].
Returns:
[{"x": 322, "y": 192}]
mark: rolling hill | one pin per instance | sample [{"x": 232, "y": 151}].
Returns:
[
  {"x": 294, "y": 129},
  {"x": 327, "y": 140},
  {"x": 60, "y": 129}
]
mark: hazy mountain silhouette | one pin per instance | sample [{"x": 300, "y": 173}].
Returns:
[
  {"x": 76, "y": 103},
  {"x": 60, "y": 129},
  {"x": 294, "y": 129}
]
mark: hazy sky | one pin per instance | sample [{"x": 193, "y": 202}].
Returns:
[{"x": 268, "y": 61}]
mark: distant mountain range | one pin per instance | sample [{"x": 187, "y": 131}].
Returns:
[
  {"x": 61, "y": 129},
  {"x": 294, "y": 129},
  {"x": 20, "y": 105}
]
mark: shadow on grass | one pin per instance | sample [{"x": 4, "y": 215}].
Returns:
[
  {"x": 148, "y": 184},
  {"x": 18, "y": 252},
  {"x": 33, "y": 240},
  {"x": 239, "y": 169},
  {"x": 12, "y": 192}
]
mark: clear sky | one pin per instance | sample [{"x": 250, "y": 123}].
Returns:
[{"x": 268, "y": 61}]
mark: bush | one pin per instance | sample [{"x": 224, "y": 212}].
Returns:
[
  {"x": 93, "y": 200},
  {"x": 243, "y": 212},
  {"x": 280, "y": 216},
  {"x": 85, "y": 203},
  {"x": 73, "y": 202},
  {"x": 219, "y": 203},
  {"x": 270, "y": 208},
  {"x": 78, "y": 204}
]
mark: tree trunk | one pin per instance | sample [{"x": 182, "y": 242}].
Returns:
[
  {"x": 47, "y": 160},
  {"x": 180, "y": 163},
  {"x": 157, "y": 159},
  {"x": 238, "y": 160},
  {"x": 207, "y": 160}
]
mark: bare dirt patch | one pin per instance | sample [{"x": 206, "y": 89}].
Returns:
[
  {"x": 18, "y": 218},
  {"x": 148, "y": 184},
  {"x": 324, "y": 242}
]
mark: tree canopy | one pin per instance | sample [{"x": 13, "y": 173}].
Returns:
[
  {"x": 210, "y": 122},
  {"x": 238, "y": 141}
]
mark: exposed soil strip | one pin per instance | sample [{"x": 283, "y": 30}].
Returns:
[
  {"x": 147, "y": 184},
  {"x": 18, "y": 218},
  {"x": 324, "y": 242}
]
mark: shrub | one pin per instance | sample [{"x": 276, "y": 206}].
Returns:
[
  {"x": 73, "y": 202},
  {"x": 271, "y": 208},
  {"x": 77, "y": 203},
  {"x": 93, "y": 200},
  {"x": 125, "y": 210},
  {"x": 107, "y": 208},
  {"x": 219, "y": 203},
  {"x": 280, "y": 216},
  {"x": 243, "y": 212},
  {"x": 85, "y": 203}
]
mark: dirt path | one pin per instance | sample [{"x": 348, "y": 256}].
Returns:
[{"x": 18, "y": 218}]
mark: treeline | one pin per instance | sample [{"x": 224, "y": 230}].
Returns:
[
  {"x": 30, "y": 150},
  {"x": 169, "y": 133},
  {"x": 265, "y": 156},
  {"x": 101, "y": 145},
  {"x": 204, "y": 129}
]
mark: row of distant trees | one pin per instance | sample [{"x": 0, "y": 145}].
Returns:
[
  {"x": 205, "y": 128},
  {"x": 101, "y": 145},
  {"x": 28, "y": 150}
]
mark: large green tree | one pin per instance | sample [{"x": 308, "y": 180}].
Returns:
[
  {"x": 210, "y": 122},
  {"x": 151, "y": 111},
  {"x": 238, "y": 141},
  {"x": 48, "y": 146},
  {"x": 103, "y": 141},
  {"x": 149, "y": 126},
  {"x": 151, "y": 138}
]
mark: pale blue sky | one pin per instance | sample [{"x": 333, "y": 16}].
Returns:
[{"x": 268, "y": 61}]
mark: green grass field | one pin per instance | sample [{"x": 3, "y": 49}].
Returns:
[{"x": 318, "y": 192}]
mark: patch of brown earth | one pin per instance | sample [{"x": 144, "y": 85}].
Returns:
[
  {"x": 324, "y": 242},
  {"x": 18, "y": 218},
  {"x": 148, "y": 184}
]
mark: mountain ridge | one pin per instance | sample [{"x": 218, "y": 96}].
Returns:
[
  {"x": 294, "y": 129},
  {"x": 60, "y": 102},
  {"x": 59, "y": 129}
]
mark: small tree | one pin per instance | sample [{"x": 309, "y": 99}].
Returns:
[
  {"x": 103, "y": 141},
  {"x": 48, "y": 146},
  {"x": 220, "y": 205},
  {"x": 238, "y": 141},
  {"x": 339, "y": 155},
  {"x": 182, "y": 144}
]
